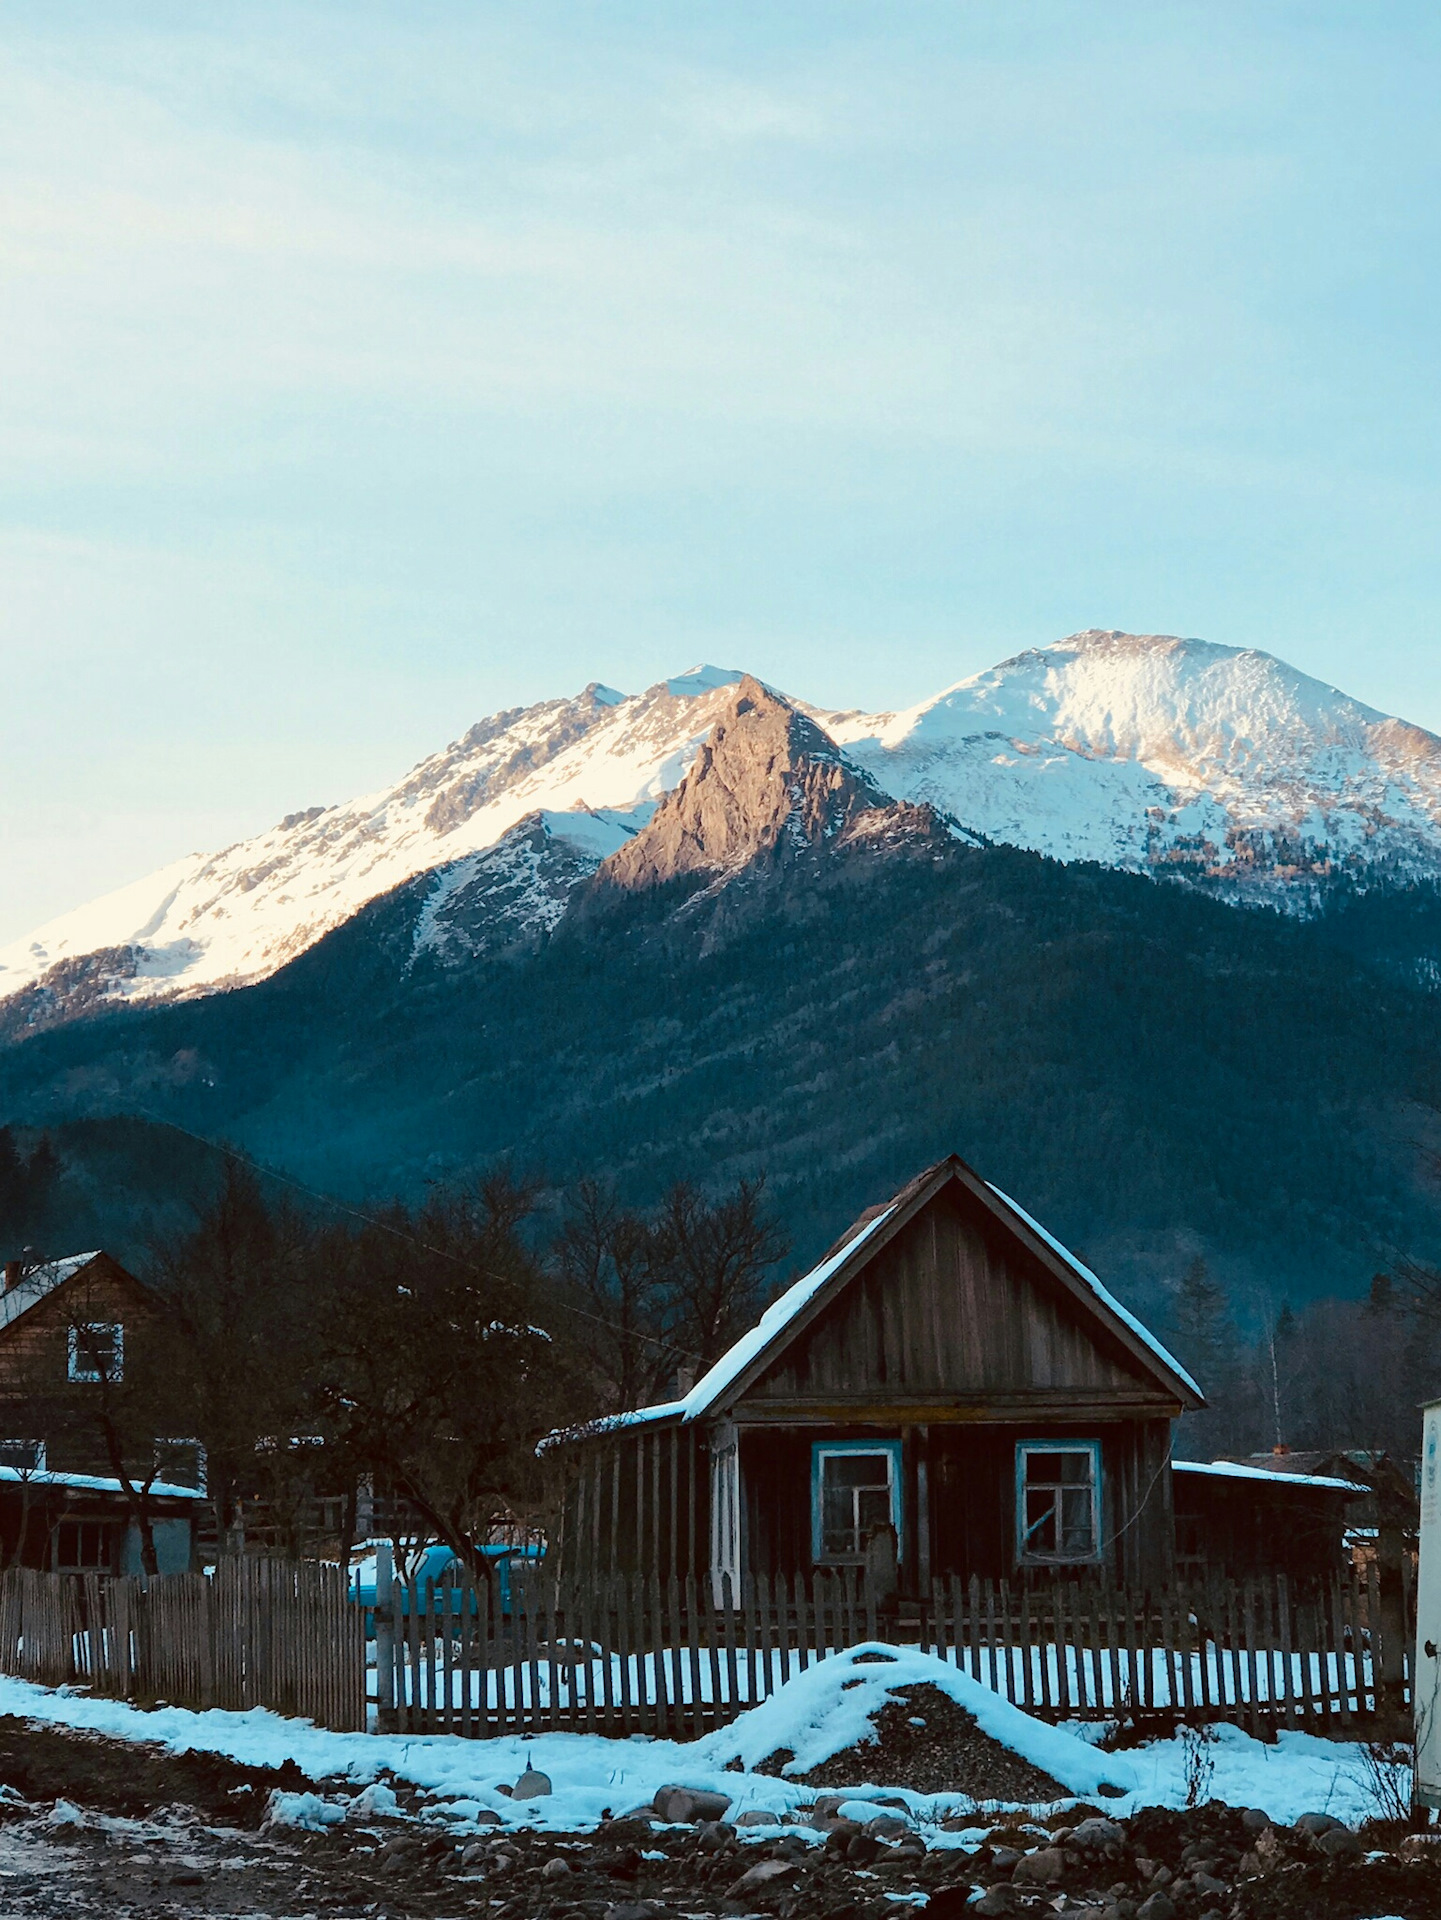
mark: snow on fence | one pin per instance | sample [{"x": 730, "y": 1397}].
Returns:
[
  {"x": 625, "y": 1656},
  {"x": 252, "y": 1633}
]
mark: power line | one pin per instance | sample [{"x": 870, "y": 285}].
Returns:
[{"x": 399, "y": 1233}]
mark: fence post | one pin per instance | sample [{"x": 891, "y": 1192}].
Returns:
[{"x": 384, "y": 1638}]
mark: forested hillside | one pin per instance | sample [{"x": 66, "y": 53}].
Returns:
[{"x": 1156, "y": 1075}]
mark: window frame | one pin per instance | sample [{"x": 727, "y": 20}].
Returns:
[
  {"x": 1027, "y": 1556},
  {"x": 114, "y": 1327},
  {"x": 822, "y": 1450},
  {"x": 23, "y": 1440}
]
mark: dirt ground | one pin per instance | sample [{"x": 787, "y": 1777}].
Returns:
[{"x": 94, "y": 1829}]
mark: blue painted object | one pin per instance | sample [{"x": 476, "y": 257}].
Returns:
[{"x": 435, "y": 1564}]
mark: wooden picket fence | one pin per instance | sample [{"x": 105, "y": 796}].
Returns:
[
  {"x": 253, "y": 1633},
  {"x": 621, "y": 1656}
]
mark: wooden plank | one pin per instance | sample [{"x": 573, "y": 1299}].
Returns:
[
  {"x": 728, "y": 1627},
  {"x": 1337, "y": 1639},
  {"x": 693, "y": 1647}
]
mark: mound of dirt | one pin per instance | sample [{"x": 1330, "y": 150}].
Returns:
[
  {"x": 113, "y": 1776},
  {"x": 925, "y": 1742}
]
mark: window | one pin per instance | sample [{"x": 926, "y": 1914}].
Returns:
[
  {"x": 855, "y": 1488},
  {"x": 97, "y": 1352},
  {"x": 1058, "y": 1502},
  {"x": 83, "y": 1546},
  {"x": 182, "y": 1463},
  {"x": 26, "y": 1456}
]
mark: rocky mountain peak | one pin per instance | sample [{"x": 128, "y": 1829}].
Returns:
[{"x": 767, "y": 780}]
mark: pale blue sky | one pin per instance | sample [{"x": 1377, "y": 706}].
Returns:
[{"x": 364, "y": 368}]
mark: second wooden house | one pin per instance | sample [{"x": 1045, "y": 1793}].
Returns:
[{"x": 948, "y": 1385}]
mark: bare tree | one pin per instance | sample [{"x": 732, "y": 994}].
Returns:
[
  {"x": 713, "y": 1259},
  {"x": 606, "y": 1254}
]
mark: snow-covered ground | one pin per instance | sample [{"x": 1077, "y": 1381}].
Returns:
[{"x": 821, "y": 1713}]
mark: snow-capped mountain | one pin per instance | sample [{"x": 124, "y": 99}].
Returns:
[{"x": 1146, "y": 752}]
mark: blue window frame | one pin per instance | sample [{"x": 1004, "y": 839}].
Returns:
[
  {"x": 855, "y": 1487},
  {"x": 1058, "y": 1503}
]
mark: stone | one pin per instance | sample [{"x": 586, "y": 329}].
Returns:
[
  {"x": 758, "y": 1817},
  {"x": 1158, "y": 1906},
  {"x": 1207, "y": 1885},
  {"x": 862, "y": 1848},
  {"x": 1003, "y": 1858},
  {"x": 632, "y": 1910},
  {"x": 1123, "y": 1908},
  {"x": 556, "y": 1869},
  {"x": 841, "y": 1834},
  {"x": 487, "y": 1817},
  {"x": 1046, "y": 1867},
  {"x": 1421, "y": 1846},
  {"x": 1269, "y": 1850},
  {"x": 1316, "y": 1824},
  {"x": 1161, "y": 1877},
  {"x": 1094, "y": 1836},
  {"x": 1339, "y": 1843},
  {"x": 1254, "y": 1820},
  {"x": 765, "y": 1873},
  {"x": 887, "y": 1826},
  {"x": 995, "y": 1900},
  {"x": 712, "y": 1836},
  {"x": 531, "y": 1785},
  {"x": 679, "y": 1805},
  {"x": 828, "y": 1805}
]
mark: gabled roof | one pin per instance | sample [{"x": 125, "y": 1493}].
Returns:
[
  {"x": 18, "y": 1300},
  {"x": 801, "y": 1302}
]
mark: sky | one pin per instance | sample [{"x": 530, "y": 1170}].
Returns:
[{"x": 367, "y": 368}]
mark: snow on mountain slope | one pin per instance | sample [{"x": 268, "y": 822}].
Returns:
[
  {"x": 219, "y": 920},
  {"x": 1140, "y": 751},
  {"x": 1151, "y": 752}
]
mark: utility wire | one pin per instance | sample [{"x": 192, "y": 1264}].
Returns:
[{"x": 399, "y": 1233}]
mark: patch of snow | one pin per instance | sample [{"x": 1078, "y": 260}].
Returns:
[
  {"x": 831, "y": 1706},
  {"x": 1233, "y": 1470},
  {"x": 703, "y": 679},
  {"x": 590, "y": 1774}
]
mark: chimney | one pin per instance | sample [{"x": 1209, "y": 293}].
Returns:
[
  {"x": 1280, "y": 1448},
  {"x": 13, "y": 1271}
]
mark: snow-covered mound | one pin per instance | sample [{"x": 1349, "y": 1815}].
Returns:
[
  {"x": 1144, "y": 752},
  {"x": 834, "y": 1705}
]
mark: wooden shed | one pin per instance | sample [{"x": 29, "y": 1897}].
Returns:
[
  {"x": 949, "y": 1384},
  {"x": 1244, "y": 1522}
]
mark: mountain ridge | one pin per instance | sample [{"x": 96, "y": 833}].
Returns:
[{"x": 1182, "y": 759}]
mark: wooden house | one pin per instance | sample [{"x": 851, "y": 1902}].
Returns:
[
  {"x": 70, "y": 1333},
  {"x": 949, "y": 1388},
  {"x": 84, "y": 1523}
]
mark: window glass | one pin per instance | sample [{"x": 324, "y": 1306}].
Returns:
[
  {"x": 856, "y": 1495},
  {"x": 1058, "y": 1509},
  {"x": 97, "y": 1352},
  {"x": 28, "y": 1456}
]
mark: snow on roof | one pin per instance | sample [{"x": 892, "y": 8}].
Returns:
[
  {"x": 712, "y": 1385},
  {"x": 91, "y": 1483},
  {"x": 1102, "y": 1293},
  {"x": 1232, "y": 1470},
  {"x": 30, "y": 1291}
]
